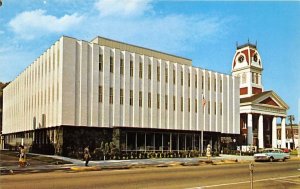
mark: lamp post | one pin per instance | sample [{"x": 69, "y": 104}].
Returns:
[{"x": 292, "y": 118}]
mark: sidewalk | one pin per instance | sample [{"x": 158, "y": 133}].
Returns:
[{"x": 79, "y": 165}]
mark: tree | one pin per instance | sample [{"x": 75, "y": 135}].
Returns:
[{"x": 292, "y": 118}]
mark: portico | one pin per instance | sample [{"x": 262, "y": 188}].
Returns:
[{"x": 259, "y": 116}]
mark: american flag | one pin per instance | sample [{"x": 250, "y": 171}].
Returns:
[{"x": 203, "y": 100}]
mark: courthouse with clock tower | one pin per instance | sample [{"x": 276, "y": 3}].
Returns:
[{"x": 259, "y": 109}]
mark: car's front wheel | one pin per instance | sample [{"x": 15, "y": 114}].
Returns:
[
  {"x": 271, "y": 159},
  {"x": 283, "y": 159}
]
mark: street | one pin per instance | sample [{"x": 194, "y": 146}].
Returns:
[{"x": 266, "y": 175}]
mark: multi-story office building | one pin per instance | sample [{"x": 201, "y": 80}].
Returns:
[{"x": 79, "y": 93}]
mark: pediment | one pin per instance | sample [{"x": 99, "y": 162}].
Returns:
[
  {"x": 271, "y": 99},
  {"x": 267, "y": 98}
]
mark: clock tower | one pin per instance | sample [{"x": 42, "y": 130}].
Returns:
[{"x": 247, "y": 65}]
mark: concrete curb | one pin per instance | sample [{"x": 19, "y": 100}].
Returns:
[
  {"x": 94, "y": 168},
  {"x": 99, "y": 167}
]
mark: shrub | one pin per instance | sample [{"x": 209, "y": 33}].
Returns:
[{"x": 294, "y": 152}]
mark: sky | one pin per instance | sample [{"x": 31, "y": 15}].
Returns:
[{"x": 204, "y": 31}]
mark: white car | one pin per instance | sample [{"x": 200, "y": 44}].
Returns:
[{"x": 271, "y": 154}]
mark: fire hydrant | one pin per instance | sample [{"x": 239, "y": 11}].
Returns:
[{"x": 208, "y": 151}]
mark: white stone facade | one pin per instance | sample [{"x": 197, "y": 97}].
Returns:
[{"x": 63, "y": 87}]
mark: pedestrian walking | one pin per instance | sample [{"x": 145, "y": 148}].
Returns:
[
  {"x": 22, "y": 156},
  {"x": 87, "y": 155}
]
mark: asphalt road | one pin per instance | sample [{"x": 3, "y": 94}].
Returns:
[{"x": 266, "y": 175}]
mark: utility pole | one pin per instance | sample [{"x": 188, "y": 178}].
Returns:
[
  {"x": 251, "y": 166},
  {"x": 292, "y": 118}
]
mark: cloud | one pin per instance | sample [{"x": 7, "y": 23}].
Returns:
[
  {"x": 122, "y": 7},
  {"x": 31, "y": 24},
  {"x": 170, "y": 33}
]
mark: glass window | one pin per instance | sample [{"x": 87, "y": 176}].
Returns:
[
  {"x": 158, "y": 73},
  {"x": 215, "y": 84},
  {"x": 100, "y": 62},
  {"x": 122, "y": 66},
  {"x": 149, "y": 71},
  {"x": 100, "y": 93},
  {"x": 158, "y": 101},
  {"x": 149, "y": 100},
  {"x": 111, "y": 95},
  {"x": 174, "y": 76},
  {"x": 131, "y": 68},
  {"x": 166, "y": 75},
  {"x": 140, "y": 99},
  {"x": 141, "y": 70},
  {"x": 256, "y": 78},
  {"x": 181, "y": 77},
  {"x": 174, "y": 103},
  {"x": 121, "y": 96},
  {"x": 181, "y": 103},
  {"x": 131, "y": 98},
  {"x": 166, "y": 102},
  {"x": 111, "y": 64}
]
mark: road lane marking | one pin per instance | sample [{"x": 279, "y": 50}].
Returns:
[
  {"x": 288, "y": 181},
  {"x": 243, "y": 182}
]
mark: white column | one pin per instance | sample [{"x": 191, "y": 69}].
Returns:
[
  {"x": 260, "y": 132},
  {"x": 283, "y": 137},
  {"x": 250, "y": 130},
  {"x": 274, "y": 133}
]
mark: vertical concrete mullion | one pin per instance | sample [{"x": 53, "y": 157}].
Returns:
[{"x": 116, "y": 88}]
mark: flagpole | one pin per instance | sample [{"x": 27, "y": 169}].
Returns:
[{"x": 201, "y": 142}]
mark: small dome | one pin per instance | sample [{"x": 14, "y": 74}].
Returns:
[{"x": 246, "y": 55}]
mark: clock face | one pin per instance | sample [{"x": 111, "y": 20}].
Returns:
[
  {"x": 241, "y": 58},
  {"x": 255, "y": 58}
]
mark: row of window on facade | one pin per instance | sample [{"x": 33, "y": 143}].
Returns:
[
  {"x": 32, "y": 78},
  {"x": 148, "y": 141},
  {"x": 158, "y": 101},
  {"x": 45, "y": 67},
  {"x": 255, "y": 78},
  {"x": 37, "y": 99},
  {"x": 111, "y": 68}
]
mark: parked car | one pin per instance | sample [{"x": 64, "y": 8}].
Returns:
[
  {"x": 286, "y": 150},
  {"x": 271, "y": 154}
]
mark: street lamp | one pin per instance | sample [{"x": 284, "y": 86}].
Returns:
[{"x": 292, "y": 118}]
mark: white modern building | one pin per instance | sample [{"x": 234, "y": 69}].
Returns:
[
  {"x": 105, "y": 90},
  {"x": 259, "y": 109}
]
